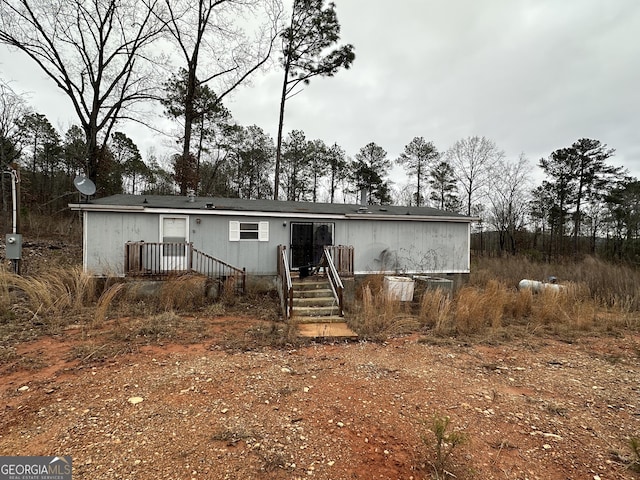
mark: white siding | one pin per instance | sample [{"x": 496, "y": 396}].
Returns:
[
  {"x": 380, "y": 245},
  {"x": 409, "y": 247}
]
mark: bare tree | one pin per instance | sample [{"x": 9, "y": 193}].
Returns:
[
  {"x": 509, "y": 199},
  {"x": 12, "y": 108},
  {"x": 95, "y": 52},
  {"x": 217, "y": 50},
  {"x": 472, "y": 159}
]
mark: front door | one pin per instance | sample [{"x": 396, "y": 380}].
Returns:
[
  {"x": 174, "y": 235},
  {"x": 308, "y": 240}
]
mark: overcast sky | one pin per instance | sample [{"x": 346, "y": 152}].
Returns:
[{"x": 531, "y": 75}]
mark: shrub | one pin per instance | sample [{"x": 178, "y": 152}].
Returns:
[{"x": 446, "y": 441}]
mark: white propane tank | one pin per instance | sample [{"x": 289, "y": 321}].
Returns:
[{"x": 537, "y": 287}]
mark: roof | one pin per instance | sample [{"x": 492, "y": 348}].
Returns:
[{"x": 148, "y": 203}]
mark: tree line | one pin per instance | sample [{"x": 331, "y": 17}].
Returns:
[{"x": 112, "y": 59}]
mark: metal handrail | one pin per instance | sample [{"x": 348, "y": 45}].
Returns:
[
  {"x": 334, "y": 278},
  {"x": 215, "y": 268}
]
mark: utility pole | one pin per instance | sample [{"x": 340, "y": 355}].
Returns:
[{"x": 13, "y": 241}]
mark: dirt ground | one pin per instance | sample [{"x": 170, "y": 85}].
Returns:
[{"x": 532, "y": 408}]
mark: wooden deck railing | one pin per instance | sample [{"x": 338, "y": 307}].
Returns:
[
  {"x": 159, "y": 260},
  {"x": 342, "y": 256},
  {"x": 285, "y": 283}
]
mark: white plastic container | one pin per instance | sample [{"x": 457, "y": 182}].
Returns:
[{"x": 399, "y": 288}]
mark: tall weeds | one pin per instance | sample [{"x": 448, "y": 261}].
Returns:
[
  {"x": 56, "y": 293},
  {"x": 607, "y": 284},
  {"x": 596, "y": 295},
  {"x": 479, "y": 308},
  {"x": 105, "y": 301},
  {"x": 381, "y": 315},
  {"x": 435, "y": 310},
  {"x": 184, "y": 292},
  {"x": 592, "y": 298}
]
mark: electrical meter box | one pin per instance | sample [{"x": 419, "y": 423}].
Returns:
[{"x": 13, "y": 246}]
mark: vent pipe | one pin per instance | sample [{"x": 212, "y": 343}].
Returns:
[
  {"x": 191, "y": 195},
  {"x": 363, "y": 197}
]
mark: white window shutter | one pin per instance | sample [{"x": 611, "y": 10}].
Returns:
[
  {"x": 234, "y": 231},
  {"x": 263, "y": 231}
]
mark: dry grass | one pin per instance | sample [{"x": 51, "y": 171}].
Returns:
[
  {"x": 184, "y": 292},
  {"x": 381, "y": 315},
  {"x": 105, "y": 301},
  {"x": 163, "y": 326},
  {"x": 44, "y": 304},
  {"x": 49, "y": 297},
  {"x": 46, "y": 226},
  {"x": 99, "y": 351},
  {"x": 114, "y": 316},
  {"x": 595, "y": 298},
  {"x": 6, "y": 300},
  {"x": 435, "y": 310},
  {"x": 468, "y": 311},
  {"x": 228, "y": 295},
  {"x": 273, "y": 334},
  {"x": 605, "y": 283},
  {"x": 521, "y": 305}
]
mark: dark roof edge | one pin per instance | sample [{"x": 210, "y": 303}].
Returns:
[
  {"x": 105, "y": 208},
  {"x": 263, "y": 207}
]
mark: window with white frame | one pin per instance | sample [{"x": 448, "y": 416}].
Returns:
[{"x": 251, "y": 231}]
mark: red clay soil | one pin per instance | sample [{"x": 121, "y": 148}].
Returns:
[{"x": 533, "y": 408}]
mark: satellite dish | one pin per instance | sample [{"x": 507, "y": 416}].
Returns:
[{"x": 84, "y": 185}]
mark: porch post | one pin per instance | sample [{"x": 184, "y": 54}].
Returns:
[{"x": 126, "y": 258}]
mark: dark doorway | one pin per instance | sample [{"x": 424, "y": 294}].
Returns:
[{"x": 308, "y": 241}]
